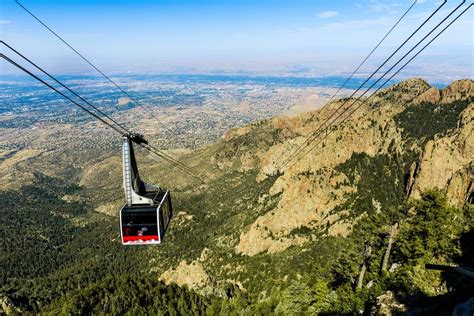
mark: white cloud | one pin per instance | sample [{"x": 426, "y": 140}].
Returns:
[
  {"x": 356, "y": 25},
  {"x": 4, "y": 22},
  {"x": 327, "y": 14},
  {"x": 388, "y": 7}
]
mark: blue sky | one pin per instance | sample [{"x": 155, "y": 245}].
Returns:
[{"x": 318, "y": 37}]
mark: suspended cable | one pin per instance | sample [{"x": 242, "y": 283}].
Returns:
[
  {"x": 174, "y": 162},
  {"x": 366, "y": 58},
  {"x": 66, "y": 87},
  {"x": 368, "y": 89},
  {"x": 60, "y": 93},
  {"x": 308, "y": 140},
  {"x": 400, "y": 69},
  {"x": 95, "y": 67},
  {"x": 142, "y": 143},
  {"x": 391, "y": 77}
]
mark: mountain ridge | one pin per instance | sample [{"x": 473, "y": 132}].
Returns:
[
  {"x": 370, "y": 141},
  {"x": 259, "y": 231}
]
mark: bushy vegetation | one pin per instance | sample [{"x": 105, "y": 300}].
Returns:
[
  {"x": 379, "y": 179},
  {"x": 428, "y": 230},
  {"x": 84, "y": 270},
  {"x": 61, "y": 257},
  {"x": 425, "y": 120},
  {"x": 62, "y": 253},
  {"x": 131, "y": 294},
  {"x": 424, "y": 231},
  {"x": 36, "y": 221}
]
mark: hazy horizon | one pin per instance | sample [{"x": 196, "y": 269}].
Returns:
[{"x": 281, "y": 38}]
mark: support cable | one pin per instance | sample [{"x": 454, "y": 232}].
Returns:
[
  {"x": 379, "y": 88},
  {"x": 135, "y": 137},
  {"x": 59, "y": 92},
  {"x": 66, "y": 87},
  {"x": 95, "y": 67},
  {"x": 367, "y": 57},
  {"x": 309, "y": 139}
]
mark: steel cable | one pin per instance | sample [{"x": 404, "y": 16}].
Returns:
[
  {"x": 309, "y": 140},
  {"x": 400, "y": 69},
  {"x": 95, "y": 67}
]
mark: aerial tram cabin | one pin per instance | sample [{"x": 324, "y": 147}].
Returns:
[{"x": 147, "y": 213}]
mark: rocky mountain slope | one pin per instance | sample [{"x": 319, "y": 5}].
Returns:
[
  {"x": 253, "y": 226},
  {"x": 415, "y": 154},
  {"x": 405, "y": 140}
]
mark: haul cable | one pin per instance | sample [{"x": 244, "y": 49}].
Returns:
[
  {"x": 378, "y": 89},
  {"x": 95, "y": 67},
  {"x": 143, "y": 144},
  {"x": 309, "y": 139},
  {"x": 366, "y": 58},
  {"x": 64, "y": 86}
]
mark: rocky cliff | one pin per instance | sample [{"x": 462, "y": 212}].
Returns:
[
  {"x": 317, "y": 184},
  {"x": 404, "y": 140},
  {"x": 254, "y": 223}
]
